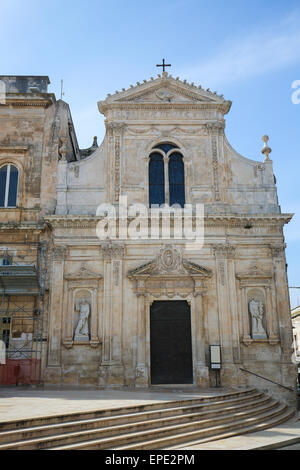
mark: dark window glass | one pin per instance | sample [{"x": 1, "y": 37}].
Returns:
[
  {"x": 5, "y": 338},
  {"x": 176, "y": 179},
  {"x": 156, "y": 180},
  {"x": 13, "y": 187},
  {"x": 166, "y": 147},
  {"x": 9, "y": 186},
  {"x": 3, "y": 175}
]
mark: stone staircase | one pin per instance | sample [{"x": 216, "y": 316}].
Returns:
[{"x": 168, "y": 425}]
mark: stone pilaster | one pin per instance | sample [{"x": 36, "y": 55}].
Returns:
[
  {"x": 62, "y": 187},
  {"x": 115, "y": 132},
  {"x": 111, "y": 370},
  {"x": 225, "y": 300},
  {"x": 141, "y": 371},
  {"x": 202, "y": 370},
  {"x": 216, "y": 129},
  {"x": 282, "y": 300},
  {"x": 53, "y": 370}
]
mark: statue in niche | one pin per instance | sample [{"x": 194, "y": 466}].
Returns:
[
  {"x": 256, "y": 308},
  {"x": 82, "y": 328}
]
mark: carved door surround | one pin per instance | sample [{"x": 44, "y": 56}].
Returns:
[
  {"x": 171, "y": 277},
  {"x": 78, "y": 283},
  {"x": 251, "y": 282}
]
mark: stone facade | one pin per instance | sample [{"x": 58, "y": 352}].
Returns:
[{"x": 236, "y": 285}]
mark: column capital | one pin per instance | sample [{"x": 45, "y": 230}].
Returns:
[
  {"x": 278, "y": 250},
  {"x": 59, "y": 253},
  {"x": 113, "y": 250},
  {"x": 221, "y": 250},
  {"x": 215, "y": 128}
]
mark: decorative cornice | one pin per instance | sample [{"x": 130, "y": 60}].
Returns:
[
  {"x": 43, "y": 100},
  {"x": 13, "y": 149},
  {"x": 212, "y": 220},
  {"x": 22, "y": 227},
  {"x": 103, "y": 107}
]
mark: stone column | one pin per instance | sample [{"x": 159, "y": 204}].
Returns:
[
  {"x": 167, "y": 185},
  {"x": 53, "y": 370},
  {"x": 111, "y": 370}
]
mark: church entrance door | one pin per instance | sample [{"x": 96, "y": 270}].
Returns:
[{"x": 170, "y": 343}]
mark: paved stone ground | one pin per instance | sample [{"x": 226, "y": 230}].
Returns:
[
  {"x": 275, "y": 437},
  {"x": 22, "y": 402}
]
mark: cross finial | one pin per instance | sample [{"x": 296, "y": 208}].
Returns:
[{"x": 163, "y": 65}]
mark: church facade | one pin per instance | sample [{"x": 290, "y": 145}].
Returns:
[{"x": 143, "y": 310}]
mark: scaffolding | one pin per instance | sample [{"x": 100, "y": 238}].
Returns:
[{"x": 22, "y": 310}]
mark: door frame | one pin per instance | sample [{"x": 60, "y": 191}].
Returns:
[
  {"x": 191, "y": 302},
  {"x": 191, "y": 342}
]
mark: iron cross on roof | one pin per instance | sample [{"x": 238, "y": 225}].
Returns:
[{"x": 163, "y": 65}]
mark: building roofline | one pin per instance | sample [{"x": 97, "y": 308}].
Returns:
[{"x": 27, "y": 76}]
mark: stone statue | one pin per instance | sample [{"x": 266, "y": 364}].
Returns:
[
  {"x": 256, "y": 308},
  {"x": 2, "y": 352},
  {"x": 82, "y": 328}
]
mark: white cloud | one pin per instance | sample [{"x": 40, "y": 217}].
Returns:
[{"x": 255, "y": 54}]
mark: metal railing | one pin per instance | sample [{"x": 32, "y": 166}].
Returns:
[{"x": 269, "y": 380}]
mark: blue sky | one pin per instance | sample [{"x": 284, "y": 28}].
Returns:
[{"x": 247, "y": 50}]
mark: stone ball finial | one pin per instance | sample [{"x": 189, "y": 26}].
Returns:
[{"x": 266, "y": 150}]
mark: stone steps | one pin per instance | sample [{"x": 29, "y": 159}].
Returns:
[
  {"x": 159, "y": 405},
  {"x": 270, "y": 424},
  {"x": 184, "y": 440},
  {"x": 182, "y": 413},
  {"x": 150, "y": 426}
]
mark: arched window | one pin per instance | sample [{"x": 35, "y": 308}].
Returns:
[
  {"x": 176, "y": 179},
  {"x": 8, "y": 185},
  {"x": 175, "y": 187},
  {"x": 156, "y": 179}
]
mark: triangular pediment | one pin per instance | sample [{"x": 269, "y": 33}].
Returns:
[
  {"x": 82, "y": 273},
  {"x": 169, "y": 262},
  {"x": 254, "y": 272},
  {"x": 164, "y": 90}
]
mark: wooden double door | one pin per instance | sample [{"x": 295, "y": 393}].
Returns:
[{"x": 171, "y": 343}]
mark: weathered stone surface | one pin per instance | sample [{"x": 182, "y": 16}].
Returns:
[{"x": 242, "y": 258}]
